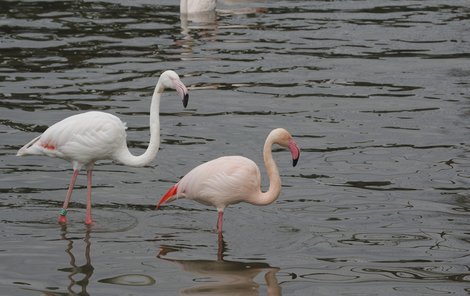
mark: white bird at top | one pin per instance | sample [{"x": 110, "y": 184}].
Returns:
[
  {"x": 196, "y": 6},
  {"x": 232, "y": 179},
  {"x": 87, "y": 137}
]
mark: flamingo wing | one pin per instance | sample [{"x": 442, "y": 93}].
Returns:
[{"x": 84, "y": 138}]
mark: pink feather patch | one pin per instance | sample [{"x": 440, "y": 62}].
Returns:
[{"x": 48, "y": 146}]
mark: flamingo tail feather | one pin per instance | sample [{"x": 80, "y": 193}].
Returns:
[{"x": 27, "y": 150}]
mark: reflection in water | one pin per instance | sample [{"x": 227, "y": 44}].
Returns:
[
  {"x": 223, "y": 277},
  {"x": 204, "y": 11},
  {"x": 200, "y": 19},
  {"x": 377, "y": 91},
  {"x": 206, "y": 21},
  {"x": 86, "y": 269}
]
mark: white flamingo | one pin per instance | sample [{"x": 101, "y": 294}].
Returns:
[
  {"x": 196, "y": 6},
  {"x": 87, "y": 137}
]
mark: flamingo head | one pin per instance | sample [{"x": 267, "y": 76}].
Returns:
[
  {"x": 284, "y": 139},
  {"x": 294, "y": 151},
  {"x": 170, "y": 79}
]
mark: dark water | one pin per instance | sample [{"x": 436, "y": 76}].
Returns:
[{"x": 375, "y": 92}]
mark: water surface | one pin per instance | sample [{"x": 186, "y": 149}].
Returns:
[{"x": 376, "y": 93}]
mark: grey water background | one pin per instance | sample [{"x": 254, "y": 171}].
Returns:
[{"x": 376, "y": 93}]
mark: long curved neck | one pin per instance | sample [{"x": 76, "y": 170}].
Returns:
[
  {"x": 265, "y": 198},
  {"x": 125, "y": 156}
]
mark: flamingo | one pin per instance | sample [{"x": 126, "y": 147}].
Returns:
[
  {"x": 85, "y": 138},
  {"x": 232, "y": 179},
  {"x": 197, "y": 6}
]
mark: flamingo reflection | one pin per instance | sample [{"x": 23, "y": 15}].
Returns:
[
  {"x": 224, "y": 277},
  {"x": 74, "y": 271},
  {"x": 202, "y": 15}
]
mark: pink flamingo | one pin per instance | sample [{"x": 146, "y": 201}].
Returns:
[
  {"x": 232, "y": 179},
  {"x": 87, "y": 137}
]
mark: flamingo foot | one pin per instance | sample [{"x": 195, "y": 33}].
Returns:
[
  {"x": 88, "y": 221},
  {"x": 62, "y": 216},
  {"x": 62, "y": 219}
]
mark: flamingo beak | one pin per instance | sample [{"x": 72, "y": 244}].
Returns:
[
  {"x": 185, "y": 100},
  {"x": 182, "y": 91},
  {"x": 294, "y": 150},
  {"x": 170, "y": 193}
]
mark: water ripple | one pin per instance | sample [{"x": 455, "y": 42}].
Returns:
[{"x": 374, "y": 92}]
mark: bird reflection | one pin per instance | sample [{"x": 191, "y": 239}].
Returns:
[
  {"x": 202, "y": 16},
  {"x": 199, "y": 20},
  {"x": 203, "y": 26},
  {"x": 224, "y": 277},
  {"x": 74, "y": 271}
]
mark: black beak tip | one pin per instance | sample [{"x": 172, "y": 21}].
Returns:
[
  {"x": 185, "y": 100},
  {"x": 294, "y": 161}
]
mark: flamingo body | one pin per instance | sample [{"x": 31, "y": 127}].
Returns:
[
  {"x": 220, "y": 182},
  {"x": 87, "y": 137},
  {"x": 232, "y": 179},
  {"x": 83, "y": 138},
  {"x": 197, "y": 6}
]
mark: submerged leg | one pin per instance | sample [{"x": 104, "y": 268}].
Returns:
[
  {"x": 88, "y": 219},
  {"x": 63, "y": 211},
  {"x": 221, "y": 246}
]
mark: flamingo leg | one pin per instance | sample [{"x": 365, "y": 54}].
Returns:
[
  {"x": 88, "y": 220},
  {"x": 63, "y": 211},
  {"x": 220, "y": 220},
  {"x": 220, "y": 246}
]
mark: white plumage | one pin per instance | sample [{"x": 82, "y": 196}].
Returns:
[
  {"x": 82, "y": 139},
  {"x": 85, "y": 138},
  {"x": 196, "y": 6}
]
